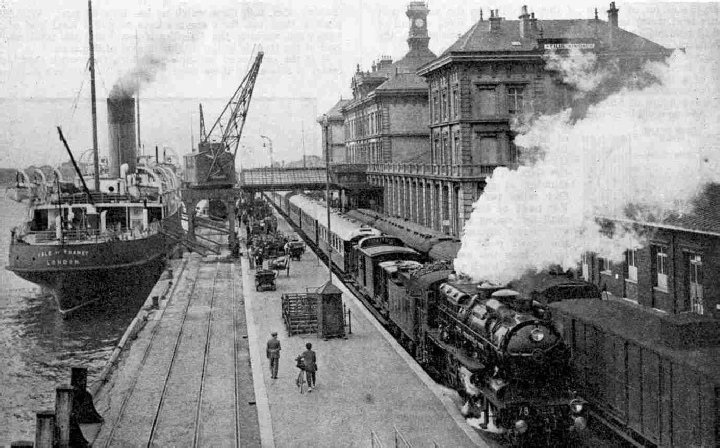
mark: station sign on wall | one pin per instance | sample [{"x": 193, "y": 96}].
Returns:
[{"x": 568, "y": 44}]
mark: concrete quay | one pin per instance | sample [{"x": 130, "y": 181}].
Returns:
[{"x": 196, "y": 373}]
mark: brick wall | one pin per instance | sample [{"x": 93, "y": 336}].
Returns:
[{"x": 675, "y": 298}]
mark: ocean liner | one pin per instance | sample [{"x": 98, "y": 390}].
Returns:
[{"x": 85, "y": 243}]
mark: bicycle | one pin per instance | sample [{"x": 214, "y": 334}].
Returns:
[{"x": 302, "y": 382}]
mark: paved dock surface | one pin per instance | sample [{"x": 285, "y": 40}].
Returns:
[{"x": 197, "y": 375}]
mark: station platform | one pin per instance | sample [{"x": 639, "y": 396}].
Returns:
[{"x": 197, "y": 374}]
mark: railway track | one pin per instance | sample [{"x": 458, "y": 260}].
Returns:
[{"x": 190, "y": 369}]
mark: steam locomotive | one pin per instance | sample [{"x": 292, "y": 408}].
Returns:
[{"x": 498, "y": 347}]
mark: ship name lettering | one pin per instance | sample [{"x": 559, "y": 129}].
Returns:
[{"x": 63, "y": 262}]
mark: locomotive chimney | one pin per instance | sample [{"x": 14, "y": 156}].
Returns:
[{"x": 121, "y": 133}]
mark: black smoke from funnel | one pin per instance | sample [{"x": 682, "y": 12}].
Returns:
[
  {"x": 146, "y": 69},
  {"x": 129, "y": 84}
]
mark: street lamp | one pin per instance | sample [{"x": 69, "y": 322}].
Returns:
[
  {"x": 327, "y": 191},
  {"x": 271, "y": 151}
]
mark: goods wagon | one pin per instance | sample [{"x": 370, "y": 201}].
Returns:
[{"x": 644, "y": 389}]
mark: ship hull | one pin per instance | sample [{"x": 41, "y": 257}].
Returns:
[{"x": 78, "y": 273}]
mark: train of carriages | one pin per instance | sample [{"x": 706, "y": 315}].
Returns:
[
  {"x": 498, "y": 348},
  {"x": 517, "y": 353}
]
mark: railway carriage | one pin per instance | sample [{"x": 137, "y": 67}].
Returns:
[
  {"x": 394, "y": 298},
  {"x": 638, "y": 380},
  {"x": 370, "y": 275}
]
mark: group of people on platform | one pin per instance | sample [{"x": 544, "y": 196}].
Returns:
[{"x": 307, "y": 361}]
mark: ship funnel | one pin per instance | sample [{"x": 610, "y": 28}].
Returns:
[{"x": 121, "y": 134}]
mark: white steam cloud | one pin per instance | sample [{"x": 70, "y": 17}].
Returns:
[
  {"x": 651, "y": 150},
  {"x": 579, "y": 69}
]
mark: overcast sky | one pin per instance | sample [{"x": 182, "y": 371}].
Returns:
[{"x": 311, "y": 47}]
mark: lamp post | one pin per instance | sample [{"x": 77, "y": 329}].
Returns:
[
  {"x": 271, "y": 151},
  {"x": 327, "y": 190},
  {"x": 272, "y": 176}
]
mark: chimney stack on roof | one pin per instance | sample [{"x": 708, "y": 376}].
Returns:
[
  {"x": 384, "y": 62},
  {"x": 525, "y": 23},
  {"x": 613, "y": 15},
  {"x": 495, "y": 19}
]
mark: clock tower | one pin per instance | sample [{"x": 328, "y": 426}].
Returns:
[{"x": 418, "y": 38}]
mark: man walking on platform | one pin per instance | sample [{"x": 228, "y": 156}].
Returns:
[
  {"x": 273, "y": 354},
  {"x": 310, "y": 359}
]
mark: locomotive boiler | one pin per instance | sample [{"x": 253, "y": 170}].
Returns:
[{"x": 501, "y": 350}]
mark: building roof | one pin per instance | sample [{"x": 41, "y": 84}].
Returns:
[
  {"x": 703, "y": 218},
  {"x": 507, "y": 36},
  {"x": 335, "y": 112}
]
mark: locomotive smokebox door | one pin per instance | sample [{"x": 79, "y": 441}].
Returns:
[{"x": 331, "y": 322}]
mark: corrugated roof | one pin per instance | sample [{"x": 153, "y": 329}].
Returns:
[{"x": 479, "y": 38}]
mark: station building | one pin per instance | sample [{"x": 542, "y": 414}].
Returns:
[{"x": 429, "y": 130}]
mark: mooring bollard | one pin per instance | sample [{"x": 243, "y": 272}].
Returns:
[
  {"x": 68, "y": 433},
  {"x": 63, "y": 411},
  {"x": 83, "y": 406},
  {"x": 44, "y": 429}
]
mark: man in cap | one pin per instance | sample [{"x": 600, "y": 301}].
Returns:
[{"x": 273, "y": 354}]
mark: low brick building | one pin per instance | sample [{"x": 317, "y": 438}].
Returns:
[{"x": 675, "y": 272}]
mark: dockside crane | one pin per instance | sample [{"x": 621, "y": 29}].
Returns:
[{"x": 213, "y": 165}]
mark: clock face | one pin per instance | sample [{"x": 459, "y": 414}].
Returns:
[{"x": 419, "y": 23}]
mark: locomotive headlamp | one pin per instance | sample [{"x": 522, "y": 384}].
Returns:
[
  {"x": 537, "y": 335},
  {"x": 576, "y": 405},
  {"x": 521, "y": 426}
]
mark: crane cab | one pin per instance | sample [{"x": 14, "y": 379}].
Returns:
[{"x": 212, "y": 166}]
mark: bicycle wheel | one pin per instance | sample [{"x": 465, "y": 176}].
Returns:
[{"x": 302, "y": 383}]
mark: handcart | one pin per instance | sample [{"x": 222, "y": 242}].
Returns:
[
  {"x": 265, "y": 279},
  {"x": 296, "y": 248},
  {"x": 279, "y": 264}
]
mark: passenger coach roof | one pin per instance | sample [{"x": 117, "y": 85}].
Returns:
[
  {"x": 340, "y": 225},
  {"x": 380, "y": 250},
  {"x": 414, "y": 235}
]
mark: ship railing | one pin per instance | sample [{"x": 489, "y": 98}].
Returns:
[{"x": 87, "y": 235}]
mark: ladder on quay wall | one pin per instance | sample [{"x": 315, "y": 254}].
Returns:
[{"x": 300, "y": 312}]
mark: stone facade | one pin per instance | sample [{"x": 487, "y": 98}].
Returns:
[
  {"x": 494, "y": 78},
  {"x": 333, "y": 133},
  {"x": 386, "y": 121}
]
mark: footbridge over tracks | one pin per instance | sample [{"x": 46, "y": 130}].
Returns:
[{"x": 342, "y": 176}]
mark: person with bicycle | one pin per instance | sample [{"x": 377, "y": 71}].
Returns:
[{"x": 307, "y": 362}]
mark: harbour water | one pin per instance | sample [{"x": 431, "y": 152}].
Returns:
[{"x": 39, "y": 346}]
